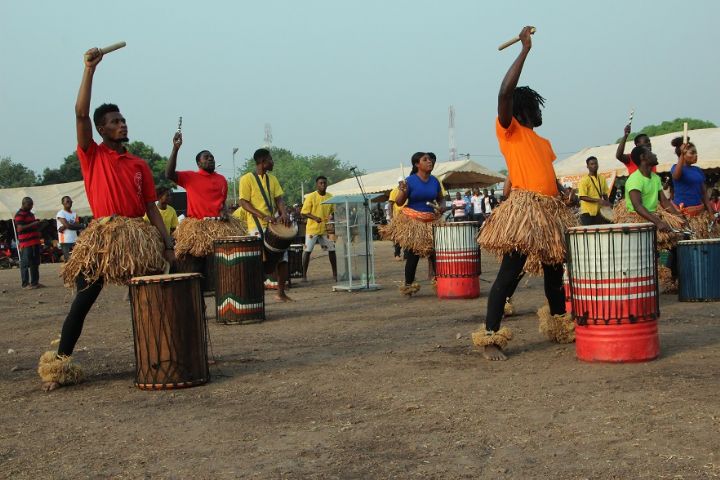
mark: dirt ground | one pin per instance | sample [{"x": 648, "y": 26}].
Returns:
[{"x": 359, "y": 385}]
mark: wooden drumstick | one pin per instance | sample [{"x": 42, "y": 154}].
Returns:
[
  {"x": 630, "y": 118},
  {"x": 684, "y": 133},
  {"x": 402, "y": 170},
  {"x": 111, "y": 48},
  {"x": 513, "y": 41}
]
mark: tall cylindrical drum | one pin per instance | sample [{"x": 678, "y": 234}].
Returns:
[
  {"x": 457, "y": 260},
  {"x": 699, "y": 270},
  {"x": 170, "y": 332},
  {"x": 239, "y": 290},
  {"x": 613, "y": 284}
]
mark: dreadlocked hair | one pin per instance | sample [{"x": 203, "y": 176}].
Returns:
[{"x": 526, "y": 99}]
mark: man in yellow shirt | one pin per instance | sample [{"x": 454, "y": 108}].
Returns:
[
  {"x": 261, "y": 197},
  {"x": 167, "y": 212},
  {"x": 593, "y": 193},
  {"x": 317, "y": 215}
]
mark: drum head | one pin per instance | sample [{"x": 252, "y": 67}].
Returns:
[
  {"x": 707, "y": 241},
  {"x": 281, "y": 230},
  {"x": 170, "y": 277},
  {"x": 615, "y": 227},
  {"x": 607, "y": 213}
]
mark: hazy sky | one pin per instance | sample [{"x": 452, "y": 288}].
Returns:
[{"x": 370, "y": 80}]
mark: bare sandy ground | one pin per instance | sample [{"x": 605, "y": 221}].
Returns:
[{"x": 359, "y": 385}]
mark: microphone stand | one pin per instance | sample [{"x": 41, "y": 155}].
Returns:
[{"x": 368, "y": 220}]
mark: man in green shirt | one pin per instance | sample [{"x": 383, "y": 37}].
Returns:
[{"x": 643, "y": 189}]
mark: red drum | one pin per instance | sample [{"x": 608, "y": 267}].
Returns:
[
  {"x": 239, "y": 292},
  {"x": 170, "y": 331},
  {"x": 614, "y": 289},
  {"x": 457, "y": 260}
]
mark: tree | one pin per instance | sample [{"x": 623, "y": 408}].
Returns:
[
  {"x": 670, "y": 126},
  {"x": 293, "y": 170},
  {"x": 15, "y": 174},
  {"x": 156, "y": 162},
  {"x": 69, "y": 171}
]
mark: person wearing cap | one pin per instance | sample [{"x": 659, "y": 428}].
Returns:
[{"x": 394, "y": 210}]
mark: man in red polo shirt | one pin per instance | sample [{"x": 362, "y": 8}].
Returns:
[
  {"x": 28, "y": 232},
  {"x": 206, "y": 213},
  {"x": 640, "y": 140},
  {"x": 206, "y": 189},
  {"x": 117, "y": 183}
]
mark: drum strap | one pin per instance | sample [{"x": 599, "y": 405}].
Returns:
[
  {"x": 265, "y": 194},
  {"x": 597, "y": 186}
]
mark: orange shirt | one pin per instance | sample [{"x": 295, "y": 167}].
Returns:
[{"x": 528, "y": 157}]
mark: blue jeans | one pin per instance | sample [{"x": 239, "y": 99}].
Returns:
[{"x": 30, "y": 265}]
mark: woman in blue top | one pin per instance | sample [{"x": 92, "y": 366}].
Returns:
[
  {"x": 690, "y": 192},
  {"x": 412, "y": 227}
]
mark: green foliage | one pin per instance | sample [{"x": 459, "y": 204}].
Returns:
[
  {"x": 69, "y": 171},
  {"x": 15, "y": 174},
  {"x": 670, "y": 126},
  {"x": 291, "y": 170}
]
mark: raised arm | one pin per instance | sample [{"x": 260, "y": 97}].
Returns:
[
  {"x": 620, "y": 153},
  {"x": 170, "y": 168},
  {"x": 505, "y": 97},
  {"x": 83, "y": 124}
]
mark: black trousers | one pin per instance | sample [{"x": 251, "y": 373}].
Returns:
[
  {"x": 397, "y": 249},
  {"x": 85, "y": 297},
  {"x": 511, "y": 270},
  {"x": 411, "y": 263},
  {"x": 587, "y": 219}
]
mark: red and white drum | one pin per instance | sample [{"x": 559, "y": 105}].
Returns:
[
  {"x": 614, "y": 289},
  {"x": 457, "y": 260}
]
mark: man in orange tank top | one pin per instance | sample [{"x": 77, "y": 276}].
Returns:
[{"x": 535, "y": 195}]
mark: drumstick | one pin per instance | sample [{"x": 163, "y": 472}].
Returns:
[
  {"x": 179, "y": 130},
  {"x": 513, "y": 41},
  {"x": 112, "y": 48},
  {"x": 630, "y": 118},
  {"x": 402, "y": 170},
  {"x": 684, "y": 133}
]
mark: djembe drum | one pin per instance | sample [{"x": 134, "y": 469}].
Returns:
[
  {"x": 699, "y": 270},
  {"x": 277, "y": 239},
  {"x": 614, "y": 289},
  {"x": 457, "y": 260},
  {"x": 170, "y": 331},
  {"x": 239, "y": 290}
]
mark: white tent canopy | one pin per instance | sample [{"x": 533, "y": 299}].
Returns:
[
  {"x": 457, "y": 174},
  {"x": 46, "y": 199},
  {"x": 707, "y": 141}
]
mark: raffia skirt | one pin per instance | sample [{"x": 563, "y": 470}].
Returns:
[
  {"x": 412, "y": 230},
  {"x": 665, "y": 240},
  {"x": 195, "y": 236},
  {"x": 115, "y": 249},
  {"x": 531, "y": 224}
]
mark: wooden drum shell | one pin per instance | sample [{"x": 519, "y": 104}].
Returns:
[
  {"x": 239, "y": 280},
  {"x": 170, "y": 331}
]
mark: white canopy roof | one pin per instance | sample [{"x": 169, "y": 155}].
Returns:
[
  {"x": 457, "y": 174},
  {"x": 46, "y": 199},
  {"x": 707, "y": 141}
]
